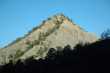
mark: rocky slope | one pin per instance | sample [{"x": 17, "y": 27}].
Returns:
[{"x": 56, "y": 31}]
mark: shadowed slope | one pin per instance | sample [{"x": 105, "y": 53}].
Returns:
[{"x": 89, "y": 58}]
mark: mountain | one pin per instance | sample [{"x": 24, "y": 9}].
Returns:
[{"x": 56, "y": 31}]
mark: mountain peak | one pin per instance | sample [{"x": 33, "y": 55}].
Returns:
[
  {"x": 61, "y": 15},
  {"x": 56, "y": 31}
]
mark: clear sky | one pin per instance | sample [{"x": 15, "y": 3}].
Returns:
[{"x": 17, "y": 17}]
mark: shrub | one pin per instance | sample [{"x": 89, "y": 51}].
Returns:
[{"x": 105, "y": 34}]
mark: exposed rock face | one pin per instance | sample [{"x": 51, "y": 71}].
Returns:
[{"x": 57, "y": 31}]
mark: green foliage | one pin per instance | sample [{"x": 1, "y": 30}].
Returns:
[
  {"x": 18, "y": 54},
  {"x": 30, "y": 46},
  {"x": 51, "y": 53},
  {"x": 42, "y": 36},
  {"x": 78, "y": 46},
  {"x": 36, "y": 42},
  {"x": 33, "y": 30},
  {"x": 49, "y": 18},
  {"x": 43, "y": 22},
  {"x": 11, "y": 57},
  {"x": 15, "y": 57},
  {"x": 40, "y": 51},
  {"x": 105, "y": 34}
]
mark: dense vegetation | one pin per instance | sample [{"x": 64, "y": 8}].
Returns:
[{"x": 89, "y": 58}]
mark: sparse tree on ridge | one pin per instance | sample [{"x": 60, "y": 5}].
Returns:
[{"x": 105, "y": 34}]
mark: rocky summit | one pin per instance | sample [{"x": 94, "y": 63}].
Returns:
[{"x": 56, "y": 31}]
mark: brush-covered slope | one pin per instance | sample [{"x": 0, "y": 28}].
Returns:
[{"x": 56, "y": 31}]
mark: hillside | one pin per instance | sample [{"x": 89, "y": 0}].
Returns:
[
  {"x": 89, "y": 58},
  {"x": 56, "y": 31}
]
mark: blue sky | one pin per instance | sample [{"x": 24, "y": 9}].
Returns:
[{"x": 17, "y": 17}]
